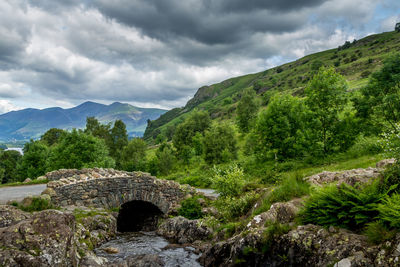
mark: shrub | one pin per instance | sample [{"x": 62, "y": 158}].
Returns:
[
  {"x": 37, "y": 204},
  {"x": 343, "y": 206},
  {"x": 190, "y": 209},
  {"x": 234, "y": 207},
  {"x": 220, "y": 144},
  {"x": 229, "y": 182}
]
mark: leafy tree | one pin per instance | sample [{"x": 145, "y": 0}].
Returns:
[
  {"x": 198, "y": 122},
  {"x": 284, "y": 129},
  {"x": 95, "y": 128},
  {"x": 133, "y": 157},
  {"x": 246, "y": 110},
  {"x": 8, "y": 166},
  {"x": 79, "y": 150},
  {"x": 34, "y": 161},
  {"x": 119, "y": 139},
  {"x": 220, "y": 144},
  {"x": 165, "y": 159},
  {"x": 381, "y": 97},
  {"x": 52, "y": 136},
  {"x": 326, "y": 97}
]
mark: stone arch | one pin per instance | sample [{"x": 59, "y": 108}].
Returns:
[
  {"x": 138, "y": 215},
  {"x": 113, "y": 192}
]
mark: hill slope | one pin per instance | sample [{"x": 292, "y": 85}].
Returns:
[
  {"x": 32, "y": 123},
  {"x": 355, "y": 61}
]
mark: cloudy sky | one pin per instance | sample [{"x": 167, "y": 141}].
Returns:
[{"x": 156, "y": 53}]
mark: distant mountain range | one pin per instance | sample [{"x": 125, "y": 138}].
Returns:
[{"x": 32, "y": 123}]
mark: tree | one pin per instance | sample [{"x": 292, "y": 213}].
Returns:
[
  {"x": 8, "y": 166},
  {"x": 95, "y": 128},
  {"x": 34, "y": 161},
  {"x": 246, "y": 110},
  {"x": 326, "y": 98},
  {"x": 220, "y": 144},
  {"x": 133, "y": 157},
  {"x": 119, "y": 139},
  {"x": 52, "y": 136},
  {"x": 397, "y": 27},
  {"x": 284, "y": 129},
  {"x": 165, "y": 159},
  {"x": 381, "y": 97},
  {"x": 198, "y": 122},
  {"x": 79, "y": 150}
]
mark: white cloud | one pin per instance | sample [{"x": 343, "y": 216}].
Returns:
[{"x": 6, "y": 106}]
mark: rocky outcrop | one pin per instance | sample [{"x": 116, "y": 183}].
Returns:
[
  {"x": 52, "y": 237},
  {"x": 183, "y": 231},
  {"x": 10, "y": 215},
  {"x": 280, "y": 212},
  {"x": 304, "y": 246},
  {"x": 45, "y": 239},
  {"x": 351, "y": 177},
  {"x": 385, "y": 163}
]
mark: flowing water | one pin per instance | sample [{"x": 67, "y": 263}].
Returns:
[{"x": 139, "y": 243}]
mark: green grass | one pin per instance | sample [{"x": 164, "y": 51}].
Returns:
[{"x": 22, "y": 184}]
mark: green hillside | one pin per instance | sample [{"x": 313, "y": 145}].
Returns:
[{"x": 354, "y": 60}]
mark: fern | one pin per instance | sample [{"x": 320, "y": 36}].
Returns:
[{"x": 343, "y": 206}]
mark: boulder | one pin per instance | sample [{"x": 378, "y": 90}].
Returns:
[
  {"x": 281, "y": 212},
  {"x": 27, "y": 180},
  {"x": 351, "y": 177},
  {"x": 10, "y": 215},
  {"x": 182, "y": 231},
  {"x": 385, "y": 163},
  {"x": 45, "y": 239},
  {"x": 41, "y": 178}
]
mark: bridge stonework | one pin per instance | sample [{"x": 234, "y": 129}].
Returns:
[{"x": 112, "y": 191}]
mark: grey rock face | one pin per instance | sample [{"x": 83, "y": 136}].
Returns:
[
  {"x": 182, "y": 231},
  {"x": 10, "y": 215}
]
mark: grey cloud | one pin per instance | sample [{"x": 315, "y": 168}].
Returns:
[{"x": 209, "y": 22}]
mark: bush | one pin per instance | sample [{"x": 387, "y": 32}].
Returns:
[
  {"x": 229, "y": 182},
  {"x": 235, "y": 207},
  {"x": 343, "y": 206},
  {"x": 190, "y": 209},
  {"x": 220, "y": 144},
  {"x": 37, "y": 204}
]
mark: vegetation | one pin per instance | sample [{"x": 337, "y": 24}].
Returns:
[
  {"x": 191, "y": 209},
  {"x": 333, "y": 110}
]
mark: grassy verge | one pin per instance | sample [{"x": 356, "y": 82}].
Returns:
[{"x": 22, "y": 184}]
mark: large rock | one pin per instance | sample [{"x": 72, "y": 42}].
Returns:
[
  {"x": 281, "y": 212},
  {"x": 10, "y": 215},
  {"x": 182, "y": 231},
  {"x": 385, "y": 163},
  {"x": 45, "y": 239},
  {"x": 351, "y": 177},
  {"x": 304, "y": 246}
]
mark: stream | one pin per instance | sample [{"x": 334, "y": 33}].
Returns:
[{"x": 139, "y": 243}]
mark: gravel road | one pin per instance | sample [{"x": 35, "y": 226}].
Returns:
[{"x": 20, "y": 192}]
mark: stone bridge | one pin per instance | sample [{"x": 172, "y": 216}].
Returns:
[{"x": 139, "y": 196}]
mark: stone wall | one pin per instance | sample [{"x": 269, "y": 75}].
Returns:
[
  {"x": 111, "y": 192},
  {"x": 89, "y": 173}
]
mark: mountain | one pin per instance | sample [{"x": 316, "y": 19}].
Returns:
[
  {"x": 32, "y": 123},
  {"x": 354, "y": 60}
]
